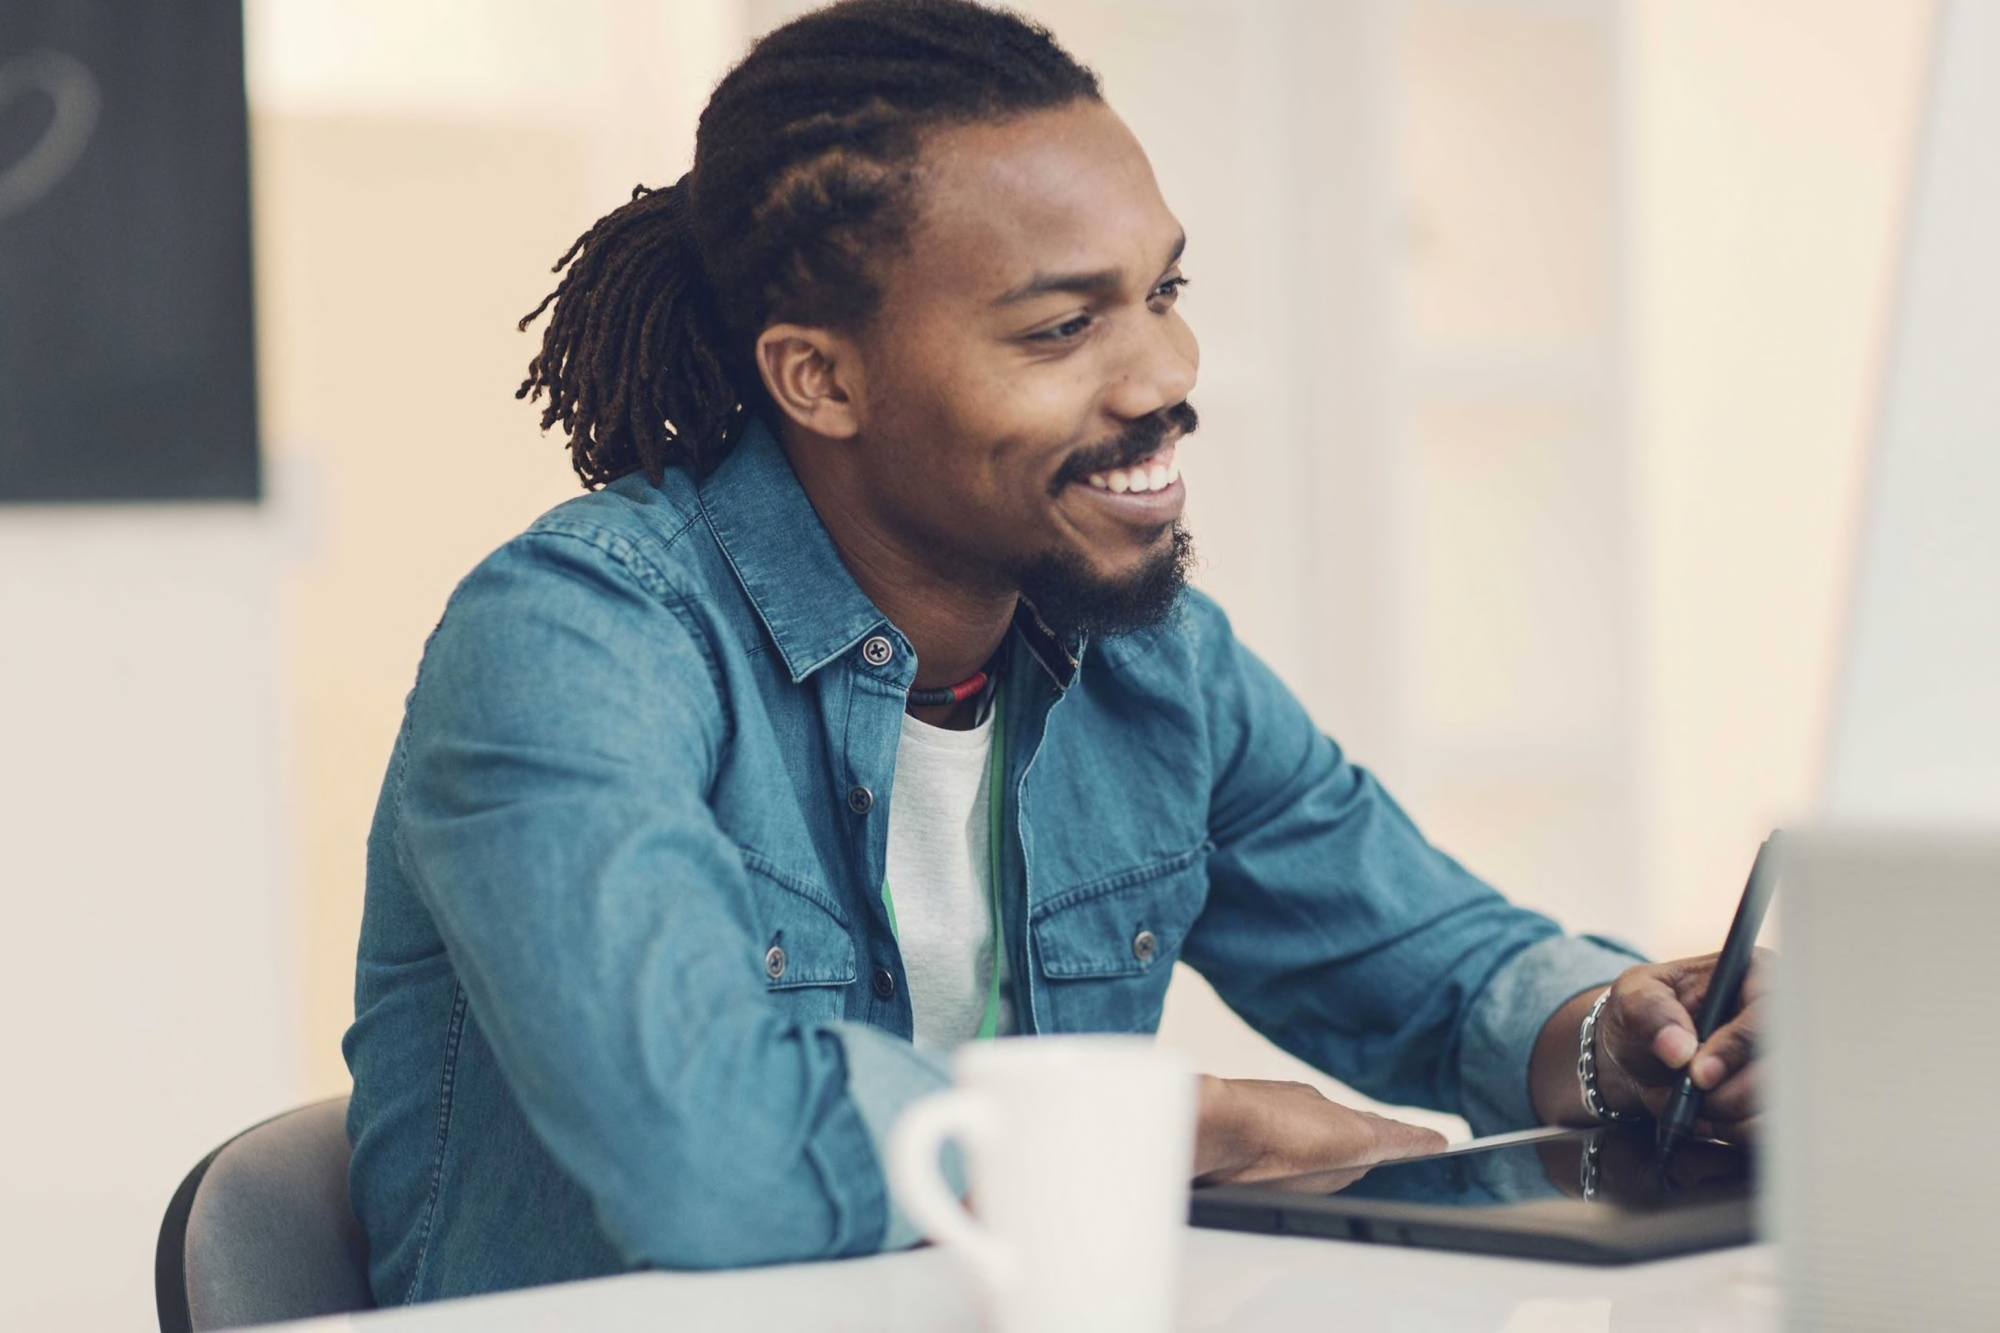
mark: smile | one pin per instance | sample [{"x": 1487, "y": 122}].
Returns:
[{"x": 1146, "y": 494}]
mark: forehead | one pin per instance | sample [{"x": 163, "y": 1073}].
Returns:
[{"x": 1061, "y": 190}]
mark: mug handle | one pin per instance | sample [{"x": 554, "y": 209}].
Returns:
[{"x": 920, "y": 1187}]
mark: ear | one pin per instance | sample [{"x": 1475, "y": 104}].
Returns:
[{"x": 812, "y": 374}]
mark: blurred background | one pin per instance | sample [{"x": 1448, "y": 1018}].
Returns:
[{"x": 1542, "y": 344}]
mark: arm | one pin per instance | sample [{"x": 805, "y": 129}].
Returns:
[
  {"x": 1338, "y": 931},
  {"x": 564, "y": 728}
]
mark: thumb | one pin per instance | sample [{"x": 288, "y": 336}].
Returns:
[{"x": 1649, "y": 1021}]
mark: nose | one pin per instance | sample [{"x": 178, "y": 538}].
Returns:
[{"x": 1158, "y": 369}]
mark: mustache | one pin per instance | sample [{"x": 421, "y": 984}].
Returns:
[{"x": 1141, "y": 438}]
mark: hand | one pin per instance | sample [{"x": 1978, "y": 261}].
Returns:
[
  {"x": 1646, "y": 1040},
  {"x": 1256, "y": 1129}
]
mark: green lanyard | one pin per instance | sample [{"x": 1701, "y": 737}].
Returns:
[{"x": 996, "y": 801}]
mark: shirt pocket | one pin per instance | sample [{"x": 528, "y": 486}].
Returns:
[
  {"x": 1106, "y": 949},
  {"x": 804, "y": 950}
]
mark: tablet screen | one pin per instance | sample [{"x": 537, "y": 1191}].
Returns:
[{"x": 1614, "y": 1166}]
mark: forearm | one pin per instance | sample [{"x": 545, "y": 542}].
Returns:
[{"x": 1552, "y": 1070}]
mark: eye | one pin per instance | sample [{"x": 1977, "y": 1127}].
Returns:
[
  {"x": 1071, "y": 329},
  {"x": 1067, "y": 331}
]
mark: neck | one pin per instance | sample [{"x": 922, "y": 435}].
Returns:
[{"x": 955, "y": 624}]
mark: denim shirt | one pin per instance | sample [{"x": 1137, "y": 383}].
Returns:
[{"x": 627, "y": 994}]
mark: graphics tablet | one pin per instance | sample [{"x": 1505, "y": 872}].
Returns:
[{"x": 1585, "y": 1195}]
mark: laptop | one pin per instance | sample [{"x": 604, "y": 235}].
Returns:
[{"x": 1595, "y": 1196}]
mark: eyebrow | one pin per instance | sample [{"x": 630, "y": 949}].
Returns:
[{"x": 1080, "y": 284}]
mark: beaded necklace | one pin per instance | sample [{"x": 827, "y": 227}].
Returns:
[{"x": 953, "y": 694}]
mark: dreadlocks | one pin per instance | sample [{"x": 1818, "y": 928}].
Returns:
[{"x": 804, "y": 164}]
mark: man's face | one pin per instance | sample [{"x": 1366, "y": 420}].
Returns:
[{"x": 1028, "y": 340}]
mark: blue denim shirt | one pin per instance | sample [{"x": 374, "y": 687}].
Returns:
[{"x": 653, "y": 739}]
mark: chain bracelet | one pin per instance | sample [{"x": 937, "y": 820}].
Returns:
[{"x": 1586, "y": 1068}]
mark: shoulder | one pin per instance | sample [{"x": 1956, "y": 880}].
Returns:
[
  {"x": 616, "y": 575},
  {"x": 1195, "y": 635},
  {"x": 641, "y": 529}
]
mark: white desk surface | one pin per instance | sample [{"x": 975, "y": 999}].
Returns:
[{"x": 1229, "y": 1280}]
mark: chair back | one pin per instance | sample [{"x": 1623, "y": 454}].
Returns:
[{"x": 261, "y": 1229}]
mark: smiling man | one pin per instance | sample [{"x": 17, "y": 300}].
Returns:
[{"x": 861, "y": 709}]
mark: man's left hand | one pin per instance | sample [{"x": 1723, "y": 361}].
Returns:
[{"x": 1646, "y": 1040}]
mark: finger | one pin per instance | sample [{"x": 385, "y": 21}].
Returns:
[
  {"x": 1397, "y": 1138},
  {"x": 1738, "y": 1098},
  {"x": 1691, "y": 980},
  {"x": 1728, "y": 1049},
  {"x": 1651, "y": 1014}
]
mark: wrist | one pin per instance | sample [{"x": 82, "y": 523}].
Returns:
[
  {"x": 1602, "y": 1087},
  {"x": 1219, "y": 1135}
]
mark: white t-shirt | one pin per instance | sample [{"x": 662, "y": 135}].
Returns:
[{"x": 940, "y": 875}]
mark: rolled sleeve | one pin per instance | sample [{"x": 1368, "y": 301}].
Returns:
[
  {"x": 1509, "y": 1016},
  {"x": 884, "y": 1075}
]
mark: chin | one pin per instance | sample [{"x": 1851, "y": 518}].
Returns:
[{"x": 1073, "y": 597}]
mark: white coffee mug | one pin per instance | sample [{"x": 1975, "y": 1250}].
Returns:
[{"x": 1079, "y": 1151}]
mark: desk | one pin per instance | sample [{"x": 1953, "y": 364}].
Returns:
[{"x": 1230, "y": 1281}]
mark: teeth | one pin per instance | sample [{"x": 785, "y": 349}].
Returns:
[{"x": 1163, "y": 471}]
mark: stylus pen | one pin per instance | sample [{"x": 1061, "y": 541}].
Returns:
[{"x": 1725, "y": 985}]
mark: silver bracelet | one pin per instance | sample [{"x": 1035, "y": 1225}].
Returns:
[{"x": 1586, "y": 1068}]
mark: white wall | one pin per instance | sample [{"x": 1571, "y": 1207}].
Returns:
[
  {"x": 149, "y": 995},
  {"x": 1917, "y": 733},
  {"x": 1772, "y": 146}
]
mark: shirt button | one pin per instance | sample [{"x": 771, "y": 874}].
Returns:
[
  {"x": 774, "y": 963},
  {"x": 877, "y": 651},
  {"x": 885, "y": 984},
  {"x": 860, "y": 800},
  {"x": 1144, "y": 946}
]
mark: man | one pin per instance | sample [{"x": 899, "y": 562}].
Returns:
[{"x": 862, "y": 700}]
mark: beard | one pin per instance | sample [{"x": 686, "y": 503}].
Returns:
[{"x": 1071, "y": 600}]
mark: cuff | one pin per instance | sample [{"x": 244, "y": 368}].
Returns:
[
  {"x": 884, "y": 1075},
  {"x": 1500, "y": 1034}
]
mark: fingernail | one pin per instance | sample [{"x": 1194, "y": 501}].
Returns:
[
  {"x": 1707, "y": 1071},
  {"x": 1679, "y": 1044}
]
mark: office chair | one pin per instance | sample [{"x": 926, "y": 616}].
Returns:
[{"x": 261, "y": 1229}]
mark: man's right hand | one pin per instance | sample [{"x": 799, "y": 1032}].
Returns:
[{"x": 1258, "y": 1129}]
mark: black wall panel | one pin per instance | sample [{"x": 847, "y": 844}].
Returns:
[{"x": 126, "y": 357}]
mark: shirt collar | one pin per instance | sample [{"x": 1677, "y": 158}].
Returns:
[{"x": 793, "y": 574}]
